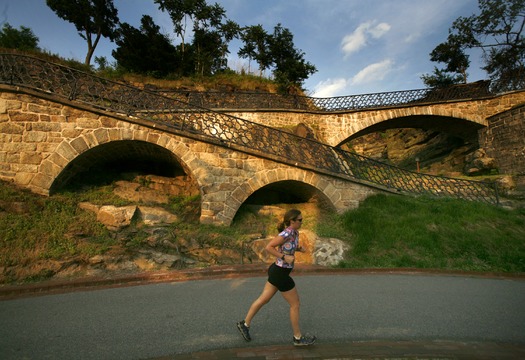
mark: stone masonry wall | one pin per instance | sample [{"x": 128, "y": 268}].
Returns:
[
  {"x": 504, "y": 140},
  {"x": 334, "y": 128},
  {"x": 39, "y": 138}
]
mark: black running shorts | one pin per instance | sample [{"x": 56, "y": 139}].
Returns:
[{"x": 280, "y": 278}]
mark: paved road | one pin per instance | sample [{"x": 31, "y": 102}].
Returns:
[{"x": 175, "y": 318}]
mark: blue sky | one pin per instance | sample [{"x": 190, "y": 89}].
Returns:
[{"x": 357, "y": 46}]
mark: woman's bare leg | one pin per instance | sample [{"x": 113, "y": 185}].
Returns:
[
  {"x": 266, "y": 295},
  {"x": 292, "y": 297}
]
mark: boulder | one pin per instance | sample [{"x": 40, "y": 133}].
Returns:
[
  {"x": 149, "y": 260},
  {"x": 154, "y": 216},
  {"x": 116, "y": 218},
  {"x": 478, "y": 163},
  {"x": 329, "y": 251},
  {"x": 155, "y": 189},
  {"x": 135, "y": 192}
]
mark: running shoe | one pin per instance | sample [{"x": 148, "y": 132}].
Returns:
[
  {"x": 304, "y": 340},
  {"x": 244, "y": 330}
]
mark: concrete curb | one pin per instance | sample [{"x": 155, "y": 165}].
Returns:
[{"x": 226, "y": 271}]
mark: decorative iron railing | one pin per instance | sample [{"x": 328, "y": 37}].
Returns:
[
  {"x": 180, "y": 117},
  {"x": 255, "y": 100}
]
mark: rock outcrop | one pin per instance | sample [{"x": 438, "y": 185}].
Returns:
[
  {"x": 316, "y": 250},
  {"x": 116, "y": 218}
]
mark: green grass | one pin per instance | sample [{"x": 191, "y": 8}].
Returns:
[
  {"x": 392, "y": 232},
  {"x": 386, "y": 231},
  {"x": 48, "y": 228}
]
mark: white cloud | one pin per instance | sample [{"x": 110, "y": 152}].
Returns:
[
  {"x": 373, "y": 72},
  {"x": 355, "y": 41},
  {"x": 330, "y": 87},
  {"x": 410, "y": 38},
  {"x": 358, "y": 39},
  {"x": 379, "y": 30}
]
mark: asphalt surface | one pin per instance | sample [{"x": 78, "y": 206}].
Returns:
[{"x": 354, "y": 315}]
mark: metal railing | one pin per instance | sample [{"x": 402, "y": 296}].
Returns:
[
  {"x": 183, "y": 118},
  {"x": 256, "y": 100}
]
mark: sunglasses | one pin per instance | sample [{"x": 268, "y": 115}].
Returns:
[{"x": 300, "y": 220}]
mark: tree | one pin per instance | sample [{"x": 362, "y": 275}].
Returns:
[
  {"x": 207, "y": 39},
  {"x": 498, "y": 32},
  {"x": 229, "y": 30},
  {"x": 211, "y": 33},
  {"x": 22, "y": 39},
  {"x": 92, "y": 18},
  {"x": 180, "y": 12},
  {"x": 441, "y": 78},
  {"x": 255, "y": 40},
  {"x": 145, "y": 50},
  {"x": 290, "y": 68},
  {"x": 457, "y": 62}
]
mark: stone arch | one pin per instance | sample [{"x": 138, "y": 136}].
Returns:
[
  {"x": 445, "y": 121},
  {"x": 461, "y": 128},
  {"x": 121, "y": 156},
  {"x": 286, "y": 191},
  {"x": 107, "y": 145},
  {"x": 309, "y": 182}
]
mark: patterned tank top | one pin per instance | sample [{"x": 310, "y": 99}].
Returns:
[{"x": 291, "y": 242}]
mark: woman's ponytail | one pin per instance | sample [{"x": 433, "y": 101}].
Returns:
[{"x": 288, "y": 216}]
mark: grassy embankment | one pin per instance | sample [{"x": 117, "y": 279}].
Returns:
[{"x": 385, "y": 232}]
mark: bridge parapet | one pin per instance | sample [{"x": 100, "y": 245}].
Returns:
[
  {"x": 256, "y": 100},
  {"x": 178, "y": 117}
]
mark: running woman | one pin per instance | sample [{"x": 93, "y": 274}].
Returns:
[{"x": 283, "y": 247}]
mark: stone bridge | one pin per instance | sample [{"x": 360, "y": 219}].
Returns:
[
  {"x": 57, "y": 124},
  {"x": 46, "y": 142},
  {"x": 465, "y": 118}
]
